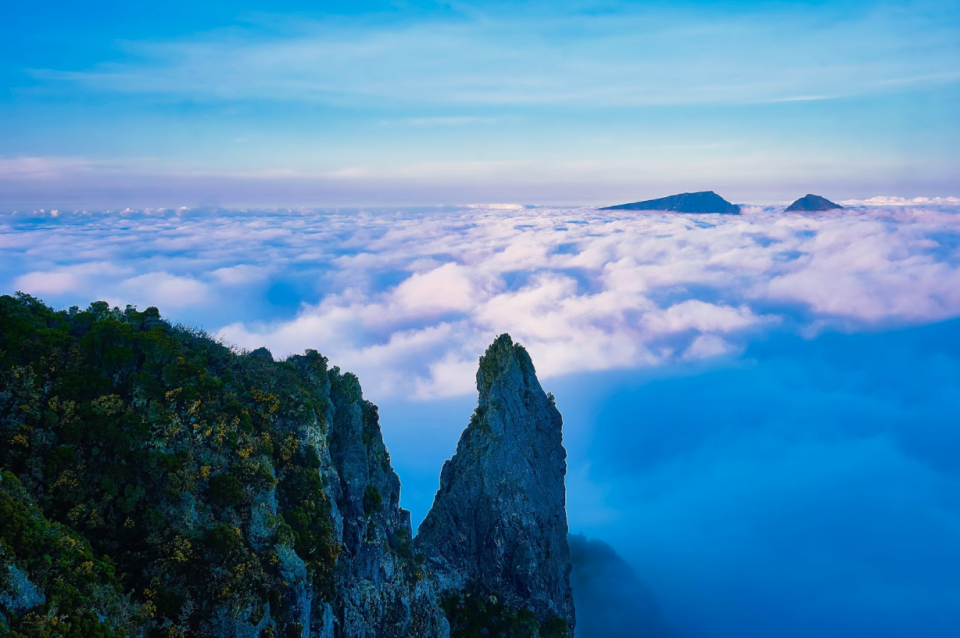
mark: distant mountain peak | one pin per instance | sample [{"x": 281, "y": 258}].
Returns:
[
  {"x": 810, "y": 203},
  {"x": 700, "y": 202}
]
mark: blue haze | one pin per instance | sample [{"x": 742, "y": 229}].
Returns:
[{"x": 810, "y": 488}]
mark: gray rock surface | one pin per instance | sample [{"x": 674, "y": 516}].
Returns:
[
  {"x": 18, "y": 594},
  {"x": 381, "y": 592},
  {"x": 269, "y": 507},
  {"x": 498, "y": 522}
]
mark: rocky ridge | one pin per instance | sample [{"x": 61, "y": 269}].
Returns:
[{"x": 155, "y": 483}]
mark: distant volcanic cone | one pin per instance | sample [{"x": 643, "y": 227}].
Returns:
[
  {"x": 811, "y": 203},
  {"x": 702, "y": 202}
]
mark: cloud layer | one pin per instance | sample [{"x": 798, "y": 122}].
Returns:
[
  {"x": 408, "y": 299},
  {"x": 760, "y": 410}
]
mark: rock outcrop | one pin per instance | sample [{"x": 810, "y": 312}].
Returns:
[
  {"x": 811, "y": 203},
  {"x": 153, "y": 481},
  {"x": 379, "y": 593},
  {"x": 701, "y": 202},
  {"x": 498, "y": 524}
]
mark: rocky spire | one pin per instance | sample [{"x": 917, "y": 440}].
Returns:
[{"x": 498, "y": 523}]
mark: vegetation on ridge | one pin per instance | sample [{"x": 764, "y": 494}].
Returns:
[
  {"x": 475, "y": 614},
  {"x": 156, "y": 483},
  {"x": 153, "y": 478}
]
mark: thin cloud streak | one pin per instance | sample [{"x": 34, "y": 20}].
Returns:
[{"x": 636, "y": 58}]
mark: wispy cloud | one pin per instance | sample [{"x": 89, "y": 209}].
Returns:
[
  {"x": 452, "y": 120},
  {"x": 46, "y": 168},
  {"x": 540, "y": 56},
  {"x": 160, "y": 182},
  {"x": 885, "y": 200}
]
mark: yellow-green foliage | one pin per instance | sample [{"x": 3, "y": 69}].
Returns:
[
  {"x": 479, "y": 614},
  {"x": 134, "y": 455}
]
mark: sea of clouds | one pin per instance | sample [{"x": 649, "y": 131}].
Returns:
[
  {"x": 760, "y": 411},
  {"x": 409, "y": 299}
]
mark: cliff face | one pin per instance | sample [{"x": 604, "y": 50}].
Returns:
[
  {"x": 155, "y": 483},
  {"x": 382, "y": 592},
  {"x": 498, "y": 525}
]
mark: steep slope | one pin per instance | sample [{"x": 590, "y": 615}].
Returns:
[
  {"x": 185, "y": 489},
  {"x": 382, "y": 592},
  {"x": 498, "y": 524},
  {"x": 156, "y": 483},
  {"x": 701, "y": 202},
  {"x": 811, "y": 203}
]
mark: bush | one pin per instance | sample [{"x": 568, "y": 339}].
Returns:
[
  {"x": 226, "y": 490},
  {"x": 478, "y": 614},
  {"x": 371, "y": 500},
  {"x": 122, "y": 436}
]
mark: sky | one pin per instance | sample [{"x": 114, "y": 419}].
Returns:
[
  {"x": 567, "y": 102},
  {"x": 760, "y": 410}
]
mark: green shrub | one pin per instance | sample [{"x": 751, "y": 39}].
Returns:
[
  {"x": 477, "y": 614},
  {"x": 371, "y": 500},
  {"x": 226, "y": 490}
]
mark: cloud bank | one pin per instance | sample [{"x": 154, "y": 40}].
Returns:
[
  {"x": 409, "y": 298},
  {"x": 760, "y": 410}
]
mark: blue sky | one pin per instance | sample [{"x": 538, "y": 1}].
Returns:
[
  {"x": 368, "y": 103},
  {"x": 760, "y": 410}
]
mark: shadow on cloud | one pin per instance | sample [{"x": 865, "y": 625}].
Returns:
[{"x": 611, "y": 602}]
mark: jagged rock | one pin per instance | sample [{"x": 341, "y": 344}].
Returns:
[
  {"x": 498, "y": 522},
  {"x": 378, "y": 594},
  {"x": 258, "y": 494},
  {"x": 811, "y": 203},
  {"x": 701, "y": 202}
]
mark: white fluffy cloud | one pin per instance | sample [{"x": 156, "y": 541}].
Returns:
[
  {"x": 882, "y": 200},
  {"x": 44, "y": 283},
  {"x": 409, "y": 299},
  {"x": 164, "y": 290},
  {"x": 447, "y": 288}
]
